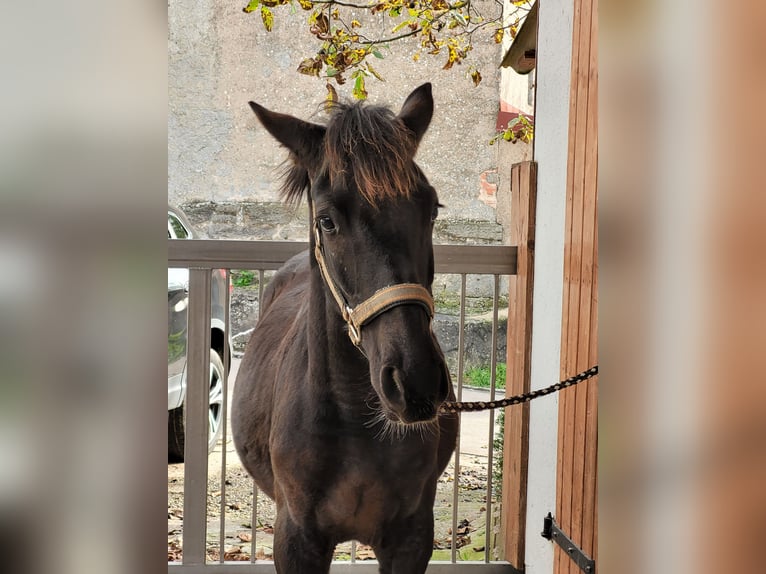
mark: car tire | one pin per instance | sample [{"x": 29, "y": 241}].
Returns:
[{"x": 176, "y": 417}]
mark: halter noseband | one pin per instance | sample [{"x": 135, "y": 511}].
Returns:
[{"x": 378, "y": 303}]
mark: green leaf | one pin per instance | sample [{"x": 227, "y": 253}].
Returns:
[
  {"x": 377, "y": 54},
  {"x": 401, "y": 25},
  {"x": 268, "y": 18},
  {"x": 330, "y": 71},
  {"x": 359, "y": 91},
  {"x": 252, "y": 6}
]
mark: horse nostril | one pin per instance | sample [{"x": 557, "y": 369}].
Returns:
[{"x": 391, "y": 384}]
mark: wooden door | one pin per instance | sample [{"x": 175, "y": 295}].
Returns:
[{"x": 576, "y": 501}]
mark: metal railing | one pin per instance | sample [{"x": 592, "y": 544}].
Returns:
[{"x": 200, "y": 257}]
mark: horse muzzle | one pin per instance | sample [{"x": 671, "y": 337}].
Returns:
[{"x": 414, "y": 395}]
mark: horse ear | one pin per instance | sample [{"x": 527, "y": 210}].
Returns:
[
  {"x": 303, "y": 139},
  {"x": 417, "y": 111}
]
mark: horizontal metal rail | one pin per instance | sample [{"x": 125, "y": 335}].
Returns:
[
  {"x": 370, "y": 567},
  {"x": 270, "y": 255}
]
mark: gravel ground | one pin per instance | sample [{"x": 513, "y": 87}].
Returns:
[{"x": 240, "y": 526}]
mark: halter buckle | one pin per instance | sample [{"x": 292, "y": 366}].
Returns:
[{"x": 354, "y": 334}]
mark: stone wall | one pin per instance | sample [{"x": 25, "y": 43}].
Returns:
[{"x": 220, "y": 58}]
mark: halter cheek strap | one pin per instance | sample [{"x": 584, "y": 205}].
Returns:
[{"x": 378, "y": 303}]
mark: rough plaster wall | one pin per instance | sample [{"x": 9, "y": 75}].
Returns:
[{"x": 220, "y": 58}]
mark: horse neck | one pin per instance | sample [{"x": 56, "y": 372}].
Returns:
[{"x": 335, "y": 364}]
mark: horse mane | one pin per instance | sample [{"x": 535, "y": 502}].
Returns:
[{"x": 365, "y": 145}]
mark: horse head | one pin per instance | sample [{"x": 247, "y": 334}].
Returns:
[{"x": 373, "y": 212}]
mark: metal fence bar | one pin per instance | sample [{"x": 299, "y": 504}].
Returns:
[
  {"x": 254, "y": 517},
  {"x": 224, "y": 423},
  {"x": 260, "y": 291},
  {"x": 196, "y": 423},
  {"x": 254, "y": 523},
  {"x": 490, "y": 448},
  {"x": 460, "y": 352}
]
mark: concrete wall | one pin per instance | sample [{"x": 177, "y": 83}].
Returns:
[
  {"x": 554, "y": 49},
  {"x": 220, "y": 58}
]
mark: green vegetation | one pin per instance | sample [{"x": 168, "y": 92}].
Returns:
[
  {"x": 497, "y": 458},
  {"x": 464, "y": 554},
  {"x": 448, "y": 302},
  {"x": 243, "y": 278},
  {"x": 480, "y": 377}
]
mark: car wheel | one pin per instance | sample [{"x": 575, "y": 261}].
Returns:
[{"x": 176, "y": 417}]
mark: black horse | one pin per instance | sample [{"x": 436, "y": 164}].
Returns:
[{"x": 336, "y": 404}]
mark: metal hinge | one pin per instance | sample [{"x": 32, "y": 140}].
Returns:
[{"x": 552, "y": 532}]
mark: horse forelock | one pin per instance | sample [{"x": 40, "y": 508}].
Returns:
[{"x": 370, "y": 147}]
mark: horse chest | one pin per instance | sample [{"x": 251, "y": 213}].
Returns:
[
  {"x": 368, "y": 495},
  {"x": 354, "y": 487}
]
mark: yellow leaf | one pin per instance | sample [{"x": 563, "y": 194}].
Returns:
[
  {"x": 332, "y": 95},
  {"x": 306, "y": 4},
  {"x": 268, "y": 18},
  {"x": 498, "y": 35},
  {"x": 374, "y": 72},
  {"x": 476, "y": 77},
  {"x": 310, "y": 67}
]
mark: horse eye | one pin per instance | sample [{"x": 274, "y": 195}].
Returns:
[
  {"x": 326, "y": 224},
  {"x": 434, "y": 213}
]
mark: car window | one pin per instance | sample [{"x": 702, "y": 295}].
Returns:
[{"x": 178, "y": 229}]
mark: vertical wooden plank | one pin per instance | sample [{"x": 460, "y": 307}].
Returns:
[
  {"x": 592, "y": 453},
  {"x": 589, "y": 302},
  {"x": 576, "y": 474},
  {"x": 582, "y": 272},
  {"x": 516, "y": 435},
  {"x": 568, "y": 503}
]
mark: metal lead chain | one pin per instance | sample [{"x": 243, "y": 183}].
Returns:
[{"x": 454, "y": 407}]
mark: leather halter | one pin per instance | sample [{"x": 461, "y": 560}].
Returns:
[{"x": 378, "y": 303}]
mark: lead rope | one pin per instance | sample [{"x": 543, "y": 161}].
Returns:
[{"x": 454, "y": 406}]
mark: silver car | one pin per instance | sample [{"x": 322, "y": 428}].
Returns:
[{"x": 178, "y": 291}]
